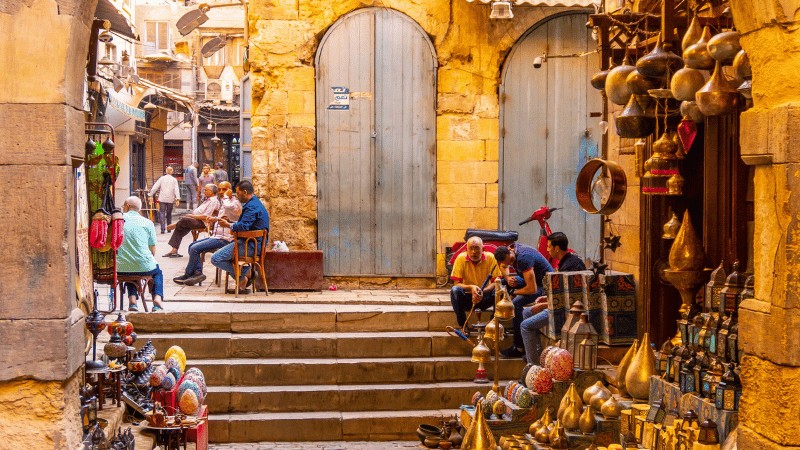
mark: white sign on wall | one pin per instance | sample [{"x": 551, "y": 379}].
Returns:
[{"x": 341, "y": 98}]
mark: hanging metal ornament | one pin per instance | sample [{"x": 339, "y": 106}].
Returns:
[
  {"x": 633, "y": 122},
  {"x": 718, "y": 96},
  {"x": 616, "y": 85},
  {"x": 660, "y": 61},
  {"x": 687, "y": 131},
  {"x": 693, "y": 33},
  {"x": 690, "y": 110},
  {"x": 686, "y": 82},
  {"x": 696, "y": 55},
  {"x": 723, "y": 47}
]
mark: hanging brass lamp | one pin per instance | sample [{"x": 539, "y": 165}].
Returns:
[{"x": 503, "y": 308}]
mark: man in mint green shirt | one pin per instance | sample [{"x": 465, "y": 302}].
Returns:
[{"x": 136, "y": 255}]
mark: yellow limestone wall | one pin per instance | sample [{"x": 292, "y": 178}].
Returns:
[
  {"x": 769, "y": 325},
  {"x": 470, "y": 48}
]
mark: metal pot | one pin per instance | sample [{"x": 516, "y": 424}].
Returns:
[
  {"x": 686, "y": 82},
  {"x": 718, "y": 96},
  {"x": 633, "y": 122},
  {"x": 659, "y": 61},
  {"x": 617, "y": 88},
  {"x": 640, "y": 84},
  {"x": 723, "y": 47},
  {"x": 697, "y": 56}
]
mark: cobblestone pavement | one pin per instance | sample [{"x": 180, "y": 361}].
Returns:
[{"x": 317, "y": 446}]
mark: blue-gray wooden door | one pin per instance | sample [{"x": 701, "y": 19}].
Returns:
[
  {"x": 376, "y": 157},
  {"x": 545, "y": 114}
]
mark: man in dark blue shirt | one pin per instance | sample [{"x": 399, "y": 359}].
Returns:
[
  {"x": 531, "y": 266},
  {"x": 254, "y": 217}
]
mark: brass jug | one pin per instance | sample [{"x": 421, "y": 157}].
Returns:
[
  {"x": 643, "y": 366},
  {"x": 692, "y": 34},
  {"x": 617, "y": 88},
  {"x": 572, "y": 416},
  {"x": 718, "y": 96},
  {"x": 633, "y": 122},
  {"x": 623, "y": 367},
  {"x": 686, "y": 82},
  {"x": 479, "y": 436},
  {"x": 724, "y": 46},
  {"x": 696, "y": 55},
  {"x": 587, "y": 422}
]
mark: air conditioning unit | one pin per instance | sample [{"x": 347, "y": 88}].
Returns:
[
  {"x": 214, "y": 90},
  {"x": 227, "y": 91}
]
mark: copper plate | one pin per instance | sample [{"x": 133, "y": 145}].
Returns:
[{"x": 583, "y": 186}]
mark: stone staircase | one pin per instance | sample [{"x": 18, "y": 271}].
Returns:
[{"x": 305, "y": 371}]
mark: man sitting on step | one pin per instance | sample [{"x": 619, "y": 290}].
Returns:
[
  {"x": 229, "y": 209},
  {"x": 471, "y": 270}
]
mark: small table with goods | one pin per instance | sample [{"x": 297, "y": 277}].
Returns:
[
  {"x": 107, "y": 382},
  {"x": 171, "y": 432}
]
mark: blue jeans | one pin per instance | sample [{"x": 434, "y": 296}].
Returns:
[
  {"x": 197, "y": 248},
  {"x": 462, "y": 302},
  {"x": 223, "y": 258},
  {"x": 530, "y": 326},
  {"x": 158, "y": 282}
]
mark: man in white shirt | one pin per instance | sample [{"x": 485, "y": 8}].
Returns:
[{"x": 169, "y": 194}]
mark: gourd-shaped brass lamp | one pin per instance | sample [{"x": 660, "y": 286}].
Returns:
[
  {"x": 622, "y": 369},
  {"x": 503, "y": 309},
  {"x": 491, "y": 331}
]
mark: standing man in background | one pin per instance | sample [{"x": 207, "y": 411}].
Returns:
[
  {"x": 169, "y": 194},
  {"x": 220, "y": 175},
  {"x": 190, "y": 180}
]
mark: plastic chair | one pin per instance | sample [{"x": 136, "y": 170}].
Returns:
[{"x": 257, "y": 260}]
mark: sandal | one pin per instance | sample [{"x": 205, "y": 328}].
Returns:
[
  {"x": 169, "y": 255},
  {"x": 157, "y": 308},
  {"x": 133, "y": 307}
]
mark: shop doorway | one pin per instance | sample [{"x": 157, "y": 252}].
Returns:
[
  {"x": 549, "y": 128},
  {"x": 376, "y": 146}
]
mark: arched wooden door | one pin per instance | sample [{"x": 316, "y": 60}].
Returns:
[
  {"x": 545, "y": 116},
  {"x": 376, "y": 144}
]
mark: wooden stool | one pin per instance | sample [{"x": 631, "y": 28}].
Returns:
[{"x": 140, "y": 281}]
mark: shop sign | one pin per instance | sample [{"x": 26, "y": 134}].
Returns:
[
  {"x": 128, "y": 110},
  {"x": 341, "y": 98}
]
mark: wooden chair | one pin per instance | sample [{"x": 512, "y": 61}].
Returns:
[
  {"x": 140, "y": 281},
  {"x": 257, "y": 260}
]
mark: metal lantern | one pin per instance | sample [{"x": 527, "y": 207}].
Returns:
[
  {"x": 587, "y": 353},
  {"x": 670, "y": 372},
  {"x": 662, "y": 359},
  {"x": 678, "y": 359},
  {"x": 733, "y": 343},
  {"x": 628, "y": 440},
  {"x": 734, "y": 285},
  {"x": 712, "y": 379},
  {"x": 683, "y": 328},
  {"x": 88, "y": 408},
  {"x": 714, "y": 289},
  {"x": 657, "y": 412},
  {"x": 729, "y": 390},
  {"x": 690, "y": 421},
  {"x": 581, "y": 329},
  {"x": 699, "y": 372},
  {"x": 687, "y": 377},
  {"x": 574, "y": 317},
  {"x": 708, "y": 433},
  {"x": 696, "y": 324}
]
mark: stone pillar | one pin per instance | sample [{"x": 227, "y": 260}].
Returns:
[
  {"x": 42, "y": 53},
  {"x": 769, "y": 325}
]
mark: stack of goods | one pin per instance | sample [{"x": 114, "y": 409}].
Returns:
[
  {"x": 192, "y": 391},
  {"x": 175, "y": 389}
]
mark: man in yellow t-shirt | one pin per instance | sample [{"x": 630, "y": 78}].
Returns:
[{"x": 471, "y": 271}]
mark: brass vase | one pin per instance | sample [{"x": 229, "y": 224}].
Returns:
[
  {"x": 571, "y": 394},
  {"x": 542, "y": 434},
  {"x": 554, "y": 431},
  {"x": 611, "y": 409},
  {"x": 622, "y": 369},
  {"x": 718, "y": 96},
  {"x": 587, "y": 422},
  {"x": 590, "y": 391},
  {"x": 479, "y": 436},
  {"x": 599, "y": 398},
  {"x": 572, "y": 416},
  {"x": 643, "y": 366},
  {"x": 696, "y": 55},
  {"x": 687, "y": 252}
]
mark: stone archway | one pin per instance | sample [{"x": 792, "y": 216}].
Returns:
[
  {"x": 41, "y": 129},
  {"x": 769, "y": 325}
]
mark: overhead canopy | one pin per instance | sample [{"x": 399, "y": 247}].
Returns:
[
  {"x": 119, "y": 23},
  {"x": 171, "y": 94},
  {"x": 547, "y": 2}
]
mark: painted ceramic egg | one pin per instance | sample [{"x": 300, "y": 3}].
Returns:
[
  {"x": 157, "y": 377},
  {"x": 509, "y": 388},
  {"x": 175, "y": 350},
  {"x": 492, "y": 397},
  {"x": 189, "y": 403},
  {"x": 168, "y": 382},
  {"x": 545, "y": 352},
  {"x": 476, "y": 397},
  {"x": 524, "y": 372},
  {"x": 542, "y": 380},
  {"x": 530, "y": 376},
  {"x": 190, "y": 386},
  {"x": 561, "y": 365},
  {"x": 201, "y": 383},
  {"x": 176, "y": 372},
  {"x": 525, "y": 398},
  {"x": 499, "y": 407}
]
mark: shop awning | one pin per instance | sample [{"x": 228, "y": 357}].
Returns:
[
  {"x": 119, "y": 23},
  {"x": 585, "y": 3},
  {"x": 171, "y": 94}
]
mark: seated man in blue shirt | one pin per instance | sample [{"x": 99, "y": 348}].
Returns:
[
  {"x": 254, "y": 217},
  {"x": 531, "y": 266},
  {"x": 136, "y": 255}
]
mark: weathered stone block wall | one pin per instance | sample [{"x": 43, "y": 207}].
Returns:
[
  {"x": 41, "y": 127},
  {"x": 769, "y": 323},
  {"x": 470, "y": 50}
]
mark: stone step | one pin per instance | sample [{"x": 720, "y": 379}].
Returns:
[
  {"x": 310, "y": 345},
  {"x": 345, "y": 398},
  {"x": 288, "y": 372},
  {"x": 322, "y": 426},
  {"x": 300, "y": 319}
]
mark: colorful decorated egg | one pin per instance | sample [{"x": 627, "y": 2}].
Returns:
[
  {"x": 545, "y": 352},
  {"x": 561, "y": 364},
  {"x": 541, "y": 380},
  {"x": 157, "y": 377},
  {"x": 492, "y": 397},
  {"x": 188, "y": 385},
  {"x": 509, "y": 388},
  {"x": 168, "y": 382},
  {"x": 525, "y": 372},
  {"x": 525, "y": 398},
  {"x": 530, "y": 376},
  {"x": 174, "y": 361},
  {"x": 189, "y": 403},
  {"x": 476, "y": 397},
  {"x": 201, "y": 383},
  {"x": 175, "y": 350},
  {"x": 176, "y": 372}
]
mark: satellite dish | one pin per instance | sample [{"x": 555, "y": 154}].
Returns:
[
  {"x": 213, "y": 46},
  {"x": 191, "y": 20}
]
